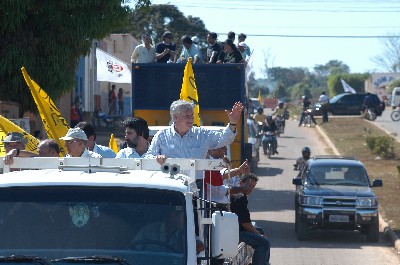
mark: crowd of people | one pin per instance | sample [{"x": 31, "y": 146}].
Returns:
[
  {"x": 215, "y": 52},
  {"x": 180, "y": 140}
]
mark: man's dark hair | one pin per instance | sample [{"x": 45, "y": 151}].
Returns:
[
  {"x": 231, "y": 35},
  {"x": 87, "y": 128},
  {"x": 186, "y": 39},
  {"x": 244, "y": 177},
  {"x": 213, "y": 35},
  {"x": 53, "y": 145},
  {"x": 242, "y": 36},
  {"x": 139, "y": 125}
]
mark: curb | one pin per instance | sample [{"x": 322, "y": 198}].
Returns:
[{"x": 383, "y": 226}]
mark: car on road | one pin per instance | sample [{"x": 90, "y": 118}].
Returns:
[
  {"x": 349, "y": 104},
  {"x": 335, "y": 192}
]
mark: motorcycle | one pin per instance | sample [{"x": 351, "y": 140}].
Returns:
[
  {"x": 370, "y": 114},
  {"x": 280, "y": 124},
  {"x": 268, "y": 143},
  {"x": 307, "y": 117}
]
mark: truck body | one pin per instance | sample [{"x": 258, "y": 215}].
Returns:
[
  {"x": 156, "y": 86},
  {"x": 113, "y": 211}
]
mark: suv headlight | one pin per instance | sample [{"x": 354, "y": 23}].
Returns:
[
  {"x": 367, "y": 202},
  {"x": 311, "y": 200}
]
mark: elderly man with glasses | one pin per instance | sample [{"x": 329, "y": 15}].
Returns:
[
  {"x": 14, "y": 140},
  {"x": 75, "y": 141}
]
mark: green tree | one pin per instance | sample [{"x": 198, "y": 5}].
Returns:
[
  {"x": 333, "y": 67},
  {"x": 356, "y": 81},
  {"x": 48, "y": 37},
  {"x": 157, "y": 19}
]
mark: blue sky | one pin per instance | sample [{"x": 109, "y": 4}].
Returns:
[{"x": 294, "y": 33}]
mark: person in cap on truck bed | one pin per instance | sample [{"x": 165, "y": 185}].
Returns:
[
  {"x": 75, "y": 141},
  {"x": 14, "y": 140},
  {"x": 46, "y": 148},
  {"x": 182, "y": 140},
  {"x": 91, "y": 144}
]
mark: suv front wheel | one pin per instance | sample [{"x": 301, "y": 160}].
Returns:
[
  {"x": 373, "y": 232},
  {"x": 301, "y": 227}
]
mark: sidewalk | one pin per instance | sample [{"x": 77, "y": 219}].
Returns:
[{"x": 383, "y": 226}]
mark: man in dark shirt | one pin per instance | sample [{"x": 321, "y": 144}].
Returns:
[
  {"x": 270, "y": 126},
  {"x": 213, "y": 49},
  {"x": 247, "y": 232},
  {"x": 165, "y": 50},
  {"x": 304, "y": 106}
]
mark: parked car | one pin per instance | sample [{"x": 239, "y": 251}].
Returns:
[
  {"x": 349, "y": 104},
  {"x": 335, "y": 192}
]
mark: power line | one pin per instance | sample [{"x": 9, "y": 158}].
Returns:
[{"x": 319, "y": 36}]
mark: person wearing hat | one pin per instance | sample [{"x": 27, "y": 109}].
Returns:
[
  {"x": 75, "y": 141},
  {"x": 14, "y": 140},
  {"x": 165, "y": 50},
  {"x": 231, "y": 54},
  {"x": 46, "y": 148},
  {"x": 91, "y": 144},
  {"x": 248, "y": 233}
]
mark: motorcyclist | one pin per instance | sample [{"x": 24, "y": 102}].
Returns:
[
  {"x": 306, "y": 104},
  {"x": 280, "y": 111},
  {"x": 270, "y": 126},
  {"x": 301, "y": 162},
  {"x": 260, "y": 116}
]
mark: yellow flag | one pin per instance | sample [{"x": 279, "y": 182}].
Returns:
[
  {"x": 8, "y": 126},
  {"x": 260, "y": 98},
  {"x": 54, "y": 123},
  {"x": 189, "y": 90},
  {"x": 2, "y": 150},
  {"x": 113, "y": 144}
]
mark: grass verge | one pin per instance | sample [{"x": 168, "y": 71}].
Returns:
[{"x": 348, "y": 135}]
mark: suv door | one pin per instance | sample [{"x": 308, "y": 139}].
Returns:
[{"x": 343, "y": 104}]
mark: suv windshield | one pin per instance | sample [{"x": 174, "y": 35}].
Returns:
[
  {"x": 337, "y": 175},
  {"x": 141, "y": 226}
]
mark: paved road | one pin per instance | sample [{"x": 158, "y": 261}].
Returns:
[
  {"x": 272, "y": 205},
  {"x": 386, "y": 123}
]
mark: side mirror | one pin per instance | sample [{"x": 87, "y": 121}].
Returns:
[
  {"x": 297, "y": 181},
  {"x": 225, "y": 234},
  {"x": 377, "y": 183}
]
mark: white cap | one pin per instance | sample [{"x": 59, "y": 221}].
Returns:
[
  {"x": 243, "y": 44},
  {"x": 195, "y": 39},
  {"x": 74, "y": 133}
]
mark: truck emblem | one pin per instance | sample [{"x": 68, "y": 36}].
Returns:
[{"x": 80, "y": 214}]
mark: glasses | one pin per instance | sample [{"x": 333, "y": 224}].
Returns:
[
  {"x": 168, "y": 37},
  {"x": 67, "y": 142}
]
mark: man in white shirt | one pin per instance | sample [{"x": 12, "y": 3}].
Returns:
[
  {"x": 145, "y": 52},
  {"x": 324, "y": 100}
]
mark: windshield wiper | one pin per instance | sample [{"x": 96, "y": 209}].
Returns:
[
  {"x": 93, "y": 259},
  {"x": 22, "y": 258}
]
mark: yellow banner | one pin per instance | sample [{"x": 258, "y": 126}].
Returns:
[
  {"x": 260, "y": 98},
  {"x": 55, "y": 124},
  {"x": 113, "y": 144},
  {"x": 8, "y": 126},
  {"x": 2, "y": 149},
  {"x": 189, "y": 91}
]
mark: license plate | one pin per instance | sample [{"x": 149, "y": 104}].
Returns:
[{"x": 338, "y": 218}]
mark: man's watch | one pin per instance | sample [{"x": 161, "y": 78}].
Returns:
[{"x": 18, "y": 151}]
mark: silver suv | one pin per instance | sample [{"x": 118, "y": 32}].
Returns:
[{"x": 336, "y": 192}]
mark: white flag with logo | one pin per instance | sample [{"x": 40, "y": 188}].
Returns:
[
  {"x": 111, "y": 69},
  {"x": 347, "y": 87}
]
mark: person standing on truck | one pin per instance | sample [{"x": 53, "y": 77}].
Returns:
[
  {"x": 145, "y": 52},
  {"x": 91, "y": 144},
  {"x": 46, "y": 148},
  {"x": 231, "y": 54},
  {"x": 75, "y": 141},
  {"x": 213, "y": 48},
  {"x": 165, "y": 50},
  {"x": 182, "y": 140},
  {"x": 189, "y": 50},
  {"x": 249, "y": 234},
  {"x": 136, "y": 137}
]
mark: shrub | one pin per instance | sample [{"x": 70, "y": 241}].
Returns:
[{"x": 381, "y": 145}]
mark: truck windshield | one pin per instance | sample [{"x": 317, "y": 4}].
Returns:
[
  {"x": 338, "y": 175},
  {"x": 139, "y": 226}
]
